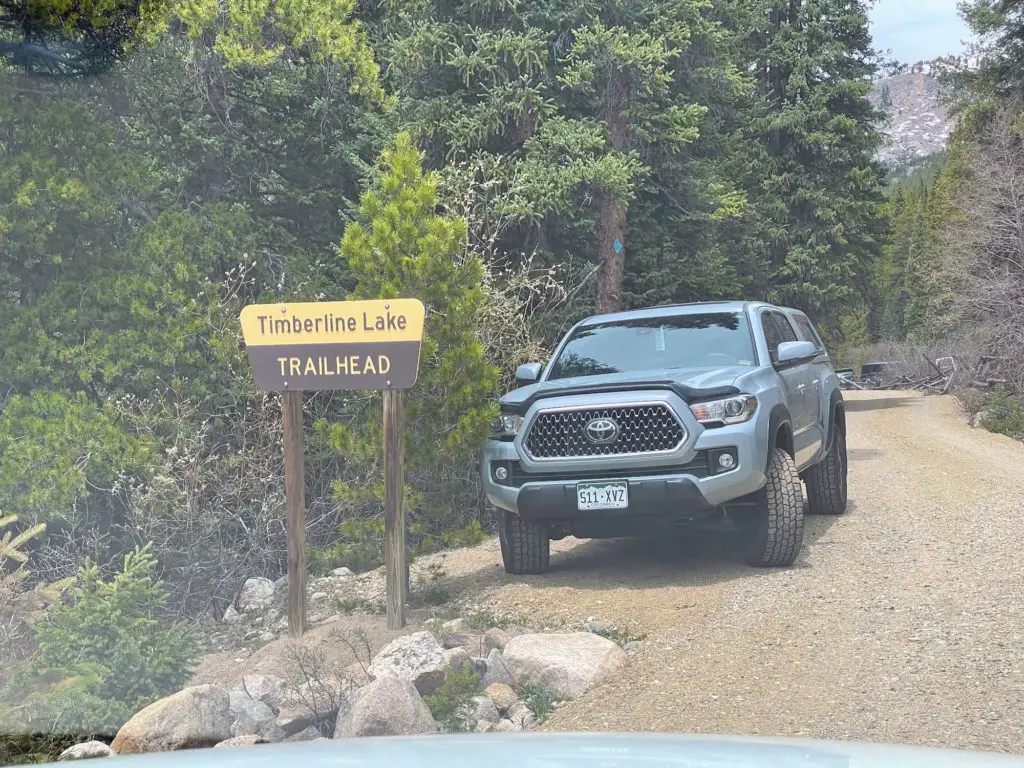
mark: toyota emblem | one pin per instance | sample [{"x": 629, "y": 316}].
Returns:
[{"x": 601, "y": 431}]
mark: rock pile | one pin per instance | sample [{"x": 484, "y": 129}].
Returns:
[{"x": 392, "y": 696}]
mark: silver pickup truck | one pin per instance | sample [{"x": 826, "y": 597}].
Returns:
[{"x": 709, "y": 413}]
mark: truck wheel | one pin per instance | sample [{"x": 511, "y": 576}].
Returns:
[
  {"x": 525, "y": 545},
  {"x": 826, "y": 480},
  {"x": 778, "y": 529}
]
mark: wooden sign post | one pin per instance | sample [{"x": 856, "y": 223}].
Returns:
[
  {"x": 394, "y": 509},
  {"x": 295, "y": 510},
  {"x": 334, "y": 346}
]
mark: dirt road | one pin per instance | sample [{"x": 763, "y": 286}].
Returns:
[{"x": 902, "y": 622}]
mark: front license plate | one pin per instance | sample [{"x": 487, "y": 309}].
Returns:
[{"x": 602, "y": 495}]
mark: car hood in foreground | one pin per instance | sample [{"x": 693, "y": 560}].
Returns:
[
  {"x": 575, "y": 751},
  {"x": 688, "y": 382}
]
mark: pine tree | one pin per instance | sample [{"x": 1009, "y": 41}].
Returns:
[
  {"x": 595, "y": 116},
  {"x": 818, "y": 193},
  {"x": 403, "y": 248},
  {"x": 1001, "y": 74}
]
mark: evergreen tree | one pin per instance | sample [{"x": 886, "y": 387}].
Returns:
[
  {"x": 402, "y": 247},
  {"x": 819, "y": 206},
  {"x": 111, "y": 649},
  {"x": 1001, "y": 74},
  {"x": 596, "y": 116}
]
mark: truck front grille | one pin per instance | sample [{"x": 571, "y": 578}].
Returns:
[
  {"x": 558, "y": 434},
  {"x": 699, "y": 466}
]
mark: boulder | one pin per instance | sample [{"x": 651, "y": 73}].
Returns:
[
  {"x": 458, "y": 658},
  {"x": 417, "y": 658},
  {"x": 566, "y": 665},
  {"x": 231, "y": 616},
  {"x": 309, "y": 733},
  {"x": 506, "y": 725},
  {"x": 241, "y": 741},
  {"x": 502, "y": 695},
  {"x": 253, "y": 718},
  {"x": 388, "y": 706},
  {"x": 483, "y": 709},
  {"x": 266, "y": 688},
  {"x": 484, "y": 727},
  {"x": 495, "y": 638},
  {"x": 195, "y": 717},
  {"x": 86, "y": 750},
  {"x": 294, "y": 716},
  {"x": 257, "y": 595},
  {"x": 497, "y": 671},
  {"x": 343, "y": 573},
  {"x": 471, "y": 641},
  {"x": 521, "y": 716}
]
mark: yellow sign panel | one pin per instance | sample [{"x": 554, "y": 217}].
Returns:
[
  {"x": 334, "y": 345},
  {"x": 333, "y": 322}
]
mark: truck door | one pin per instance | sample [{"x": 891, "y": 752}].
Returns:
[{"x": 802, "y": 390}]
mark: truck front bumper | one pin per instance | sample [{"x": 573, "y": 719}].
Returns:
[{"x": 695, "y": 484}]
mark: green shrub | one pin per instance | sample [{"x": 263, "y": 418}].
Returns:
[
  {"x": 452, "y": 703},
  {"x": 1003, "y": 413},
  {"x": 73, "y": 447},
  {"x": 403, "y": 245},
  {"x": 540, "y": 701},
  {"x": 360, "y": 546},
  {"x": 104, "y": 653},
  {"x": 621, "y": 635},
  {"x": 32, "y": 748}
]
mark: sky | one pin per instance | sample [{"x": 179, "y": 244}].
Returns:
[{"x": 918, "y": 29}]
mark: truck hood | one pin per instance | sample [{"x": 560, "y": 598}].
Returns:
[
  {"x": 689, "y": 383},
  {"x": 529, "y": 750}
]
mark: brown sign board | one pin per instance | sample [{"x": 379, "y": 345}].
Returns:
[{"x": 332, "y": 345}]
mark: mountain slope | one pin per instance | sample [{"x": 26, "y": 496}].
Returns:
[{"x": 917, "y": 123}]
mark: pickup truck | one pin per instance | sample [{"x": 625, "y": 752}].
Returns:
[{"x": 694, "y": 414}]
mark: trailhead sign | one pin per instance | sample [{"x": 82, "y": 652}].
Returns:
[
  {"x": 334, "y": 345},
  {"x": 375, "y": 344}
]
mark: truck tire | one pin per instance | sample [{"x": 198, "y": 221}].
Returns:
[
  {"x": 778, "y": 529},
  {"x": 826, "y": 480},
  {"x": 525, "y": 545}
]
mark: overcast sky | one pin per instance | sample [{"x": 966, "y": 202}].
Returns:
[{"x": 918, "y": 29}]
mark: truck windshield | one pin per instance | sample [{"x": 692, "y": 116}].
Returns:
[{"x": 708, "y": 340}]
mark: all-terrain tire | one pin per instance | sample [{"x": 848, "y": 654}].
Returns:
[
  {"x": 826, "y": 480},
  {"x": 778, "y": 527},
  {"x": 525, "y": 545}
]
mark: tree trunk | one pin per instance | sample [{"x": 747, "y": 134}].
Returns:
[
  {"x": 611, "y": 246},
  {"x": 612, "y": 231}
]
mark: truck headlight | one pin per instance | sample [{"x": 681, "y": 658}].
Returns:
[
  {"x": 506, "y": 426},
  {"x": 729, "y": 410}
]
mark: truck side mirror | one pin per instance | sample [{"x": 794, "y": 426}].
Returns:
[
  {"x": 796, "y": 352},
  {"x": 528, "y": 373}
]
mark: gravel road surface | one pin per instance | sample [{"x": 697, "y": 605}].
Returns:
[{"x": 902, "y": 622}]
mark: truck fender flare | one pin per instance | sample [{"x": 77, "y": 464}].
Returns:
[
  {"x": 836, "y": 415},
  {"x": 780, "y": 431}
]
